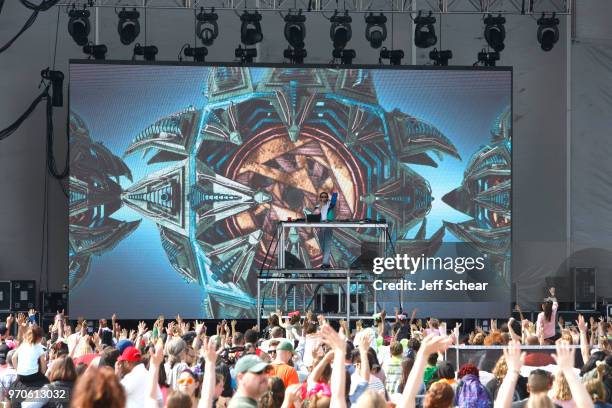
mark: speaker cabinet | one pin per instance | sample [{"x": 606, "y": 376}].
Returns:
[
  {"x": 23, "y": 295},
  {"x": 585, "y": 295}
]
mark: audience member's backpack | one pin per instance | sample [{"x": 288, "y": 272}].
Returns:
[{"x": 472, "y": 394}]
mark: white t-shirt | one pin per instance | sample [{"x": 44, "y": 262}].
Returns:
[
  {"x": 135, "y": 384},
  {"x": 27, "y": 358}
]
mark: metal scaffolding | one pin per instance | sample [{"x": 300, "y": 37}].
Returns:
[{"x": 443, "y": 7}]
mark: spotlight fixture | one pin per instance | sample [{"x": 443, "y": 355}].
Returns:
[
  {"x": 246, "y": 55},
  {"x": 345, "y": 56},
  {"x": 295, "y": 29},
  {"x": 495, "y": 32},
  {"x": 548, "y": 31},
  {"x": 78, "y": 25},
  {"x": 487, "y": 59},
  {"x": 128, "y": 26},
  {"x": 376, "y": 29},
  {"x": 394, "y": 56},
  {"x": 207, "y": 28},
  {"x": 441, "y": 57},
  {"x": 197, "y": 53},
  {"x": 96, "y": 51},
  {"x": 250, "y": 29},
  {"x": 424, "y": 31},
  {"x": 147, "y": 51},
  {"x": 295, "y": 55},
  {"x": 340, "y": 31}
]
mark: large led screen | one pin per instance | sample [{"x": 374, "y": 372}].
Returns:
[{"x": 179, "y": 175}]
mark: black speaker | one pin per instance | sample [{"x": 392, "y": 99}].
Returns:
[
  {"x": 23, "y": 295},
  {"x": 369, "y": 251},
  {"x": 292, "y": 261},
  {"x": 329, "y": 303},
  {"x": 585, "y": 295},
  {"x": 5, "y": 296},
  {"x": 52, "y": 302}
]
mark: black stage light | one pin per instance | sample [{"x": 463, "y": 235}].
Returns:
[
  {"x": 128, "y": 26},
  {"x": 548, "y": 31},
  {"x": 495, "y": 32},
  {"x": 246, "y": 55},
  {"x": 79, "y": 26},
  {"x": 147, "y": 51},
  {"x": 250, "y": 29},
  {"x": 197, "y": 53},
  {"x": 376, "y": 29},
  {"x": 441, "y": 57},
  {"x": 295, "y": 55},
  {"x": 295, "y": 29},
  {"x": 394, "y": 56},
  {"x": 96, "y": 51},
  {"x": 424, "y": 31},
  {"x": 207, "y": 28},
  {"x": 488, "y": 59},
  {"x": 345, "y": 56},
  {"x": 340, "y": 31}
]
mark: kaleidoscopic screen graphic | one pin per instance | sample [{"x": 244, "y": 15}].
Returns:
[{"x": 180, "y": 174}]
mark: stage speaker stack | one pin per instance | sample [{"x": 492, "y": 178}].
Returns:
[
  {"x": 585, "y": 294},
  {"x": 23, "y": 295},
  {"x": 5, "y": 296},
  {"x": 52, "y": 302}
]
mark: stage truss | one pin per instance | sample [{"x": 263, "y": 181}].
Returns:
[{"x": 504, "y": 7}]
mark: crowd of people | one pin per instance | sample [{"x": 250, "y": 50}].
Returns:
[{"x": 299, "y": 360}]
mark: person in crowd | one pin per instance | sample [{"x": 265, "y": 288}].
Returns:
[
  {"x": 596, "y": 389},
  {"x": 499, "y": 373},
  {"x": 547, "y": 318},
  {"x": 439, "y": 395},
  {"x": 8, "y": 375},
  {"x": 470, "y": 392},
  {"x": 431, "y": 368},
  {"x": 252, "y": 381},
  {"x": 133, "y": 375},
  {"x": 62, "y": 378},
  {"x": 393, "y": 367},
  {"x": 176, "y": 350},
  {"x": 274, "y": 396},
  {"x": 280, "y": 367},
  {"x": 189, "y": 384},
  {"x": 538, "y": 382},
  {"x": 446, "y": 374},
  {"x": 560, "y": 393},
  {"x": 98, "y": 387}
]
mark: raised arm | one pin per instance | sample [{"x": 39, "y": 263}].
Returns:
[
  {"x": 514, "y": 360},
  {"x": 584, "y": 340},
  {"x": 338, "y": 377},
  {"x": 155, "y": 361},
  {"x": 565, "y": 360},
  {"x": 430, "y": 344},
  {"x": 208, "y": 384},
  {"x": 364, "y": 363},
  {"x": 316, "y": 372}
]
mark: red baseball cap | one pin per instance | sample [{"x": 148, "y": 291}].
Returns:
[{"x": 131, "y": 354}]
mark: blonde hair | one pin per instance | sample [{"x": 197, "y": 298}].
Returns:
[
  {"x": 501, "y": 369},
  {"x": 560, "y": 389},
  {"x": 595, "y": 386}
]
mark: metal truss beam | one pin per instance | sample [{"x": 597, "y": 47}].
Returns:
[{"x": 444, "y": 7}]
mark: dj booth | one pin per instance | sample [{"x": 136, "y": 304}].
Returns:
[{"x": 292, "y": 286}]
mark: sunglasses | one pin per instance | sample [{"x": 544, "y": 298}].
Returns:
[
  {"x": 188, "y": 380},
  {"x": 272, "y": 351}
]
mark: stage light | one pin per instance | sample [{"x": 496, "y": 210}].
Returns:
[
  {"x": 345, "y": 56},
  {"x": 424, "y": 31},
  {"x": 295, "y": 55},
  {"x": 548, "y": 31},
  {"x": 79, "y": 26},
  {"x": 246, "y": 55},
  {"x": 197, "y": 53},
  {"x": 128, "y": 26},
  {"x": 96, "y": 51},
  {"x": 340, "y": 31},
  {"x": 487, "y": 59},
  {"x": 147, "y": 51},
  {"x": 394, "y": 56},
  {"x": 376, "y": 29},
  {"x": 207, "y": 28},
  {"x": 495, "y": 32},
  {"x": 295, "y": 29},
  {"x": 441, "y": 57},
  {"x": 250, "y": 29}
]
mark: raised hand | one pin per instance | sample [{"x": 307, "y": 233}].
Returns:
[
  {"x": 157, "y": 355},
  {"x": 293, "y": 396},
  {"x": 330, "y": 337},
  {"x": 552, "y": 291},
  {"x": 200, "y": 328},
  {"x": 514, "y": 357},
  {"x": 561, "y": 321},
  {"x": 21, "y": 319},
  {"x": 364, "y": 341},
  {"x": 564, "y": 356},
  {"x": 9, "y": 320},
  {"x": 132, "y": 335},
  {"x": 142, "y": 328},
  {"x": 435, "y": 344},
  {"x": 124, "y": 333},
  {"x": 114, "y": 318},
  {"x": 209, "y": 348}
]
